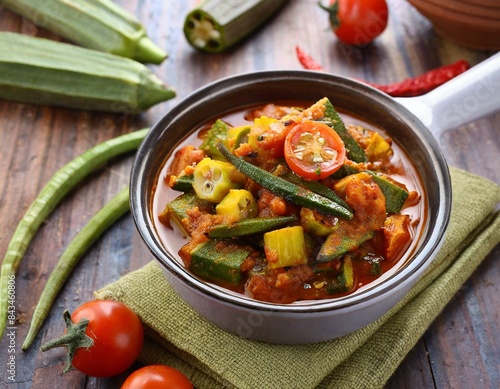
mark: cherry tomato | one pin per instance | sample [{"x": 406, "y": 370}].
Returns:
[
  {"x": 313, "y": 150},
  {"x": 358, "y": 22},
  {"x": 157, "y": 377},
  {"x": 117, "y": 333}
]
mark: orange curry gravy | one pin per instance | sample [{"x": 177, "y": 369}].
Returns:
[{"x": 371, "y": 262}]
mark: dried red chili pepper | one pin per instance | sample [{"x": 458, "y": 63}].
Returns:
[
  {"x": 306, "y": 60},
  {"x": 424, "y": 83},
  {"x": 414, "y": 86}
]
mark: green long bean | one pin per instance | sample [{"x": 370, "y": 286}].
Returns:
[
  {"x": 54, "y": 191},
  {"x": 96, "y": 226}
]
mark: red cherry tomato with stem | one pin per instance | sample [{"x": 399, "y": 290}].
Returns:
[
  {"x": 157, "y": 377},
  {"x": 314, "y": 150},
  {"x": 103, "y": 338},
  {"x": 357, "y": 22}
]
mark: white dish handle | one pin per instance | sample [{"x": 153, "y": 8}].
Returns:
[{"x": 470, "y": 96}]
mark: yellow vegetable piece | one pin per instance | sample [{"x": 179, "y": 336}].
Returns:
[
  {"x": 285, "y": 247},
  {"x": 214, "y": 179},
  {"x": 316, "y": 223},
  {"x": 341, "y": 185},
  {"x": 348, "y": 273},
  {"x": 262, "y": 126},
  {"x": 377, "y": 147},
  {"x": 236, "y": 136},
  {"x": 374, "y": 145},
  {"x": 237, "y": 205}
]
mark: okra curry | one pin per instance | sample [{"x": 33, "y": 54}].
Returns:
[{"x": 288, "y": 202}]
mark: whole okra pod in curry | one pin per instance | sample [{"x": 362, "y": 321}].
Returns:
[
  {"x": 41, "y": 71},
  {"x": 96, "y": 24},
  {"x": 215, "y": 25}
]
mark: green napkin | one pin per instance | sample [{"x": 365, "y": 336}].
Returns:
[{"x": 212, "y": 358}]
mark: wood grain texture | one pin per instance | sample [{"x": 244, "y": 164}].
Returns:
[{"x": 462, "y": 347}]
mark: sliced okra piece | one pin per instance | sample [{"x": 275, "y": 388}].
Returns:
[
  {"x": 238, "y": 204},
  {"x": 251, "y": 226},
  {"x": 285, "y": 247},
  {"x": 219, "y": 260},
  {"x": 213, "y": 179},
  {"x": 314, "y": 186},
  {"x": 183, "y": 183},
  {"x": 176, "y": 210},
  {"x": 237, "y": 135},
  {"x": 354, "y": 151},
  {"x": 338, "y": 243},
  {"x": 216, "y": 133},
  {"x": 344, "y": 281},
  {"x": 395, "y": 195},
  {"x": 215, "y": 25}
]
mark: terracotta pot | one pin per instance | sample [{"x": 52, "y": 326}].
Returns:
[{"x": 470, "y": 23}]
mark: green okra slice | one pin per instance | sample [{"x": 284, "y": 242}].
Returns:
[
  {"x": 344, "y": 281},
  {"x": 216, "y": 25},
  {"x": 219, "y": 261},
  {"x": 395, "y": 196},
  {"x": 250, "y": 226},
  {"x": 337, "y": 244},
  {"x": 217, "y": 133},
  {"x": 315, "y": 186},
  {"x": 354, "y": 151}
]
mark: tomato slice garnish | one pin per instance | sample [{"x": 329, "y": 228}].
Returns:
[{"x": 313, "y": 150}]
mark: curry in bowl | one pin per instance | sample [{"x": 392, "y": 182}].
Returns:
[{"x": 287, "y": 202}]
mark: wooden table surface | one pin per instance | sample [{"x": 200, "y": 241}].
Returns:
[{"x": 462, "y": 347}]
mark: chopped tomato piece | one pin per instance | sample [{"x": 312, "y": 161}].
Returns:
[
  {"x": 187, "y": 156},
  {"x": 314, "y": 150}
]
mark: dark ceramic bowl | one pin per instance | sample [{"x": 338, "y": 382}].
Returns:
[{"x": 309, "y": 321}]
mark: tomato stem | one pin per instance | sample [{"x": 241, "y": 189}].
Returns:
[
  {"x": 333, "y": 12},
  {"x": 74, "y": 339}
]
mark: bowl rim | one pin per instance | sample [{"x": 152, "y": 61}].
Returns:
[{"x": 140, "y": 206}]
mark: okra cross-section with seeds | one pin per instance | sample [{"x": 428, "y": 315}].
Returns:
[
  {"x": 216, "y": 25},
  {"x": 214, "y": 179}
]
